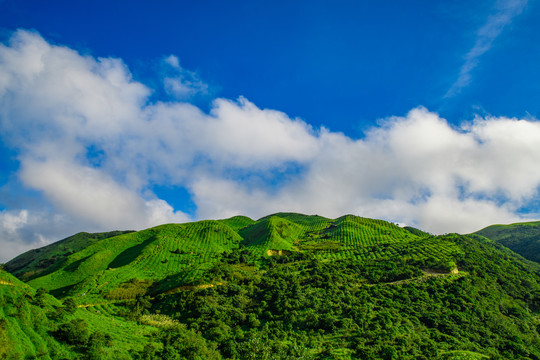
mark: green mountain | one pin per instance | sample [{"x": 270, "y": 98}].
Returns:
[
  {"x": 287, "y": 286},
  {"x": 523, "y": 238}
]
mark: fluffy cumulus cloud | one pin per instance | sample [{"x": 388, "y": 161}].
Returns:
[
  {"x": 416, "y": 169},
  {"x": 92, "y": 144},
  {"x": 21, "y": 230}
]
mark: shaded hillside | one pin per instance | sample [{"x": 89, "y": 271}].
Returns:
[
  {"x": 523, "y": 238},
  {"x": 39, "y": 261},
  {"x": 271, "y": 233}
]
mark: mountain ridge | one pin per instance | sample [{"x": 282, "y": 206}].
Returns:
[{"x": 285, "y": 286}]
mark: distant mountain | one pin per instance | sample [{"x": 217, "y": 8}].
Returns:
[
  {"x": 523, "y": 238},
  {"x": 286, "y": 286}
]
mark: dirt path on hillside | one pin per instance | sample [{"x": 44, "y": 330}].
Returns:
[
  {"x": 4, "y": 282},
  {"x": 192, "y": 287},
  {"x": 92, "y": 305},
  {"x": 428, "y": 273}
]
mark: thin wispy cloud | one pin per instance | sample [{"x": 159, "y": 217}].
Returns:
[
  {"x": 505, "y": 12},
  {"x": 181, "y": 83}
]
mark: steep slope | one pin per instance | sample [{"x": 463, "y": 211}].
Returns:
[
  {"x": 24, "y": 326},
  {"x": 37, "y": 262},
  {"x": 271, "y": 233},
  {"x": 170, "y": 254},
  {"x": 523, "y": 238},
  {"x": 35, "y": 325}
]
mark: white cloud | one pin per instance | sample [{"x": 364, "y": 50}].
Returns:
[
  {"x": 91, "y": 195},
  {"x": 242, "y": 135},
  {"x": 12, "y": 221},
  {"x": 181, "y": 83},
  {"x": 90, "y": 142},
  {"x": 505, "y": 12},
  {"x": 173, "y": 61},
  {"x": 415, "y": 169},
  {"x": 450, "y": 214},
  {"x": 22, "y": 230}
]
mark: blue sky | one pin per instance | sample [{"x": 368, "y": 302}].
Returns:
[{"x": 129, "y": 114}]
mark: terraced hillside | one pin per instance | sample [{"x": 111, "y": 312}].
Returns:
[
  {"x": 170, "y": 254},
  {"x": 286, "y": 286},
  {"x": 523, "y": 238},
  {"x": 173, "y": 255}
]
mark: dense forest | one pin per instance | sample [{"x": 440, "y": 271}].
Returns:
[{"x": 287, "y": 286}]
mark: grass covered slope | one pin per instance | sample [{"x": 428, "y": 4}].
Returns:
[
  {"x": 270, "y": 234},
  {"x": 166, "y": 257},
  {"x": 523, "y": 238},
  {"x": 24, "y": 326},
  {"x": 292, "y": 286},
  {"x": 169, "y": 254},
  {"x": 35, "y": 325},
  {"x": 39, "y": 261}
]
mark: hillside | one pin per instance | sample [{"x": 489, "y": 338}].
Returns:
[
  {"x": 523, "y": 238},
  {"x": 173, "y": 255},
  {"x": 23, "y": 323},
  {"x": 291, "y": 286},
  {"x": 38, "y": 261},
  {"x": 35, "y": 325}
]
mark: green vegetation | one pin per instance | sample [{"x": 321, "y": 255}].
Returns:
[
  {"x": 287, "y": 286},
  {"x": 523, "y": 238},
  {"x": 35, "y": 325},
  {"x": 40, "y": 261}
]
